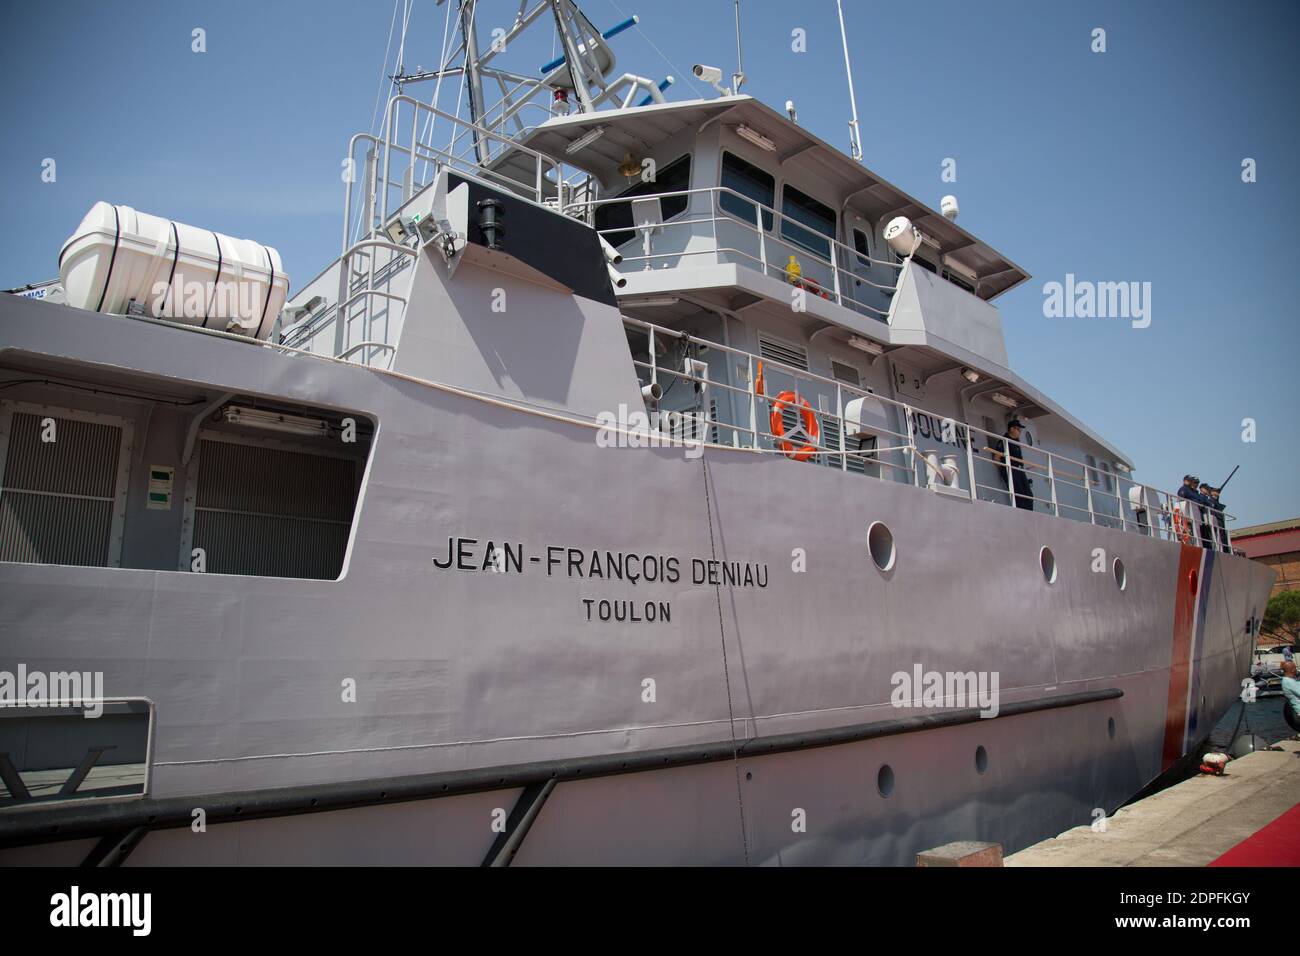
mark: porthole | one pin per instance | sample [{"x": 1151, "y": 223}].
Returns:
[
  {"x": 880, "y": 542},
  {"x": 1121, "y": 576},
  {"x": 981, "y": 759},
  {"x": 1047, "y": 561},
  {"x": 1192, "y": 581},
  {"x": 885, "y": 780}
]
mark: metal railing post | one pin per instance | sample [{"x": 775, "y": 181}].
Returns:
[
  {"x": 839, "y": 413},
  {"x": 911, "y": 446},
  {"x": 753, "y": 406},
  {"x": 1051, "y": 485},
  {"x": 654, "y": 361},
  {"x": 1087, "y": 485},
  {"x": 339, "y": 318},
  {"x": 1011, "y": 475},
  {"x": 970, "y": 461}
]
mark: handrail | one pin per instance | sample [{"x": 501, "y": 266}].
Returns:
[
  {"x": 843, "y": 262},
  {"x": 731, "y": 217},
  {"x": 1103, "y": 506},
  {"x": 541, "y": 160},
  {"x": 366, "y": 345}
]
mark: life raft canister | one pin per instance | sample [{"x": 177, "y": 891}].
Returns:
[{"x": 791, "y": 449}]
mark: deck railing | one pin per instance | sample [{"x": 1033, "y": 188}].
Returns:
[
  {"x": 744, "y": 416},
  {"x": 834, "y": 277}
]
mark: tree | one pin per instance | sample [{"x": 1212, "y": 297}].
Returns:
[{"x": 1282, "y": 617}]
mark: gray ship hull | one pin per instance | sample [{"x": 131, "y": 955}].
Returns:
[{"x": 456, "y": 668}]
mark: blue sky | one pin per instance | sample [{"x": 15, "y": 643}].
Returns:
[{"x": 1115, "y": 166}]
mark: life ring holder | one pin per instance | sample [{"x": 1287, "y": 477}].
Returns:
[{"x": 808, "y": 427}]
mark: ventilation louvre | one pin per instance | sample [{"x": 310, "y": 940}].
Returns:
[
  {"x": 779, "y": 350},
  {"x": 846, "y": 373},
  {"x": 272, "y": 512},
  {"x": 58, "y": 498}
]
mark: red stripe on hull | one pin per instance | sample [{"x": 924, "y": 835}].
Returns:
[{"x": 1180, "y": 663}]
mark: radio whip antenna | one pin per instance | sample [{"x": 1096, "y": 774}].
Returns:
[
  {"x": 855, "y": 141},
  {"x": 739, "y": 76}
]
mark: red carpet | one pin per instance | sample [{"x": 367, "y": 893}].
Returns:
[{"x": 1277, "y": 844}]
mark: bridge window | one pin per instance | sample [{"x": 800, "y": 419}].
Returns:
[
  {"x": 748, "y": 180},
  {"x": 799, "y": 207},
  {"x": 1107, "y": 479},
  {"x": 673, "y": 178}
]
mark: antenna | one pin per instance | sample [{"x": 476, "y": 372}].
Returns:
[
  {"x": 739, "y": 76},
  {"x": 855, "y": 141}
]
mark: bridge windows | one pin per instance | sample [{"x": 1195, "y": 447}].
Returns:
[
  {"x": 798, "y": 207},
  {"x": 748, "y": 180},
  {"x": 673, "y": 178}
]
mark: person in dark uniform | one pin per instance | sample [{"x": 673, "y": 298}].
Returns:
[
  {"x": 1216, "y": 515},
  {"x": 1207, "y": 512},
  {"x": 1188, "y": 491},
  {"x": 1009, "y": 447}
]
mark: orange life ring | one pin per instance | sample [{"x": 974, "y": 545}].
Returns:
[{"x": 798, "y": 451}]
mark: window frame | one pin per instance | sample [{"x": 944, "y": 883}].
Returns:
[
  {"x": 630, "y": 193},
  {"x": 769, "y": 219},
  {"x": 789, "y": 222}
]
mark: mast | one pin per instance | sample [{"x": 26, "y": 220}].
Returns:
[{"x": 473, "y": 79}]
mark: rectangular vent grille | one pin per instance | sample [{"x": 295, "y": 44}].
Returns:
[
  {"x": 781, "y": 351},
  {"x": 57, "y": 497},
  {"x": 831, "y": 439},
  {"x": 846, "y": 373},
  {"x": 272, "y": 512}
]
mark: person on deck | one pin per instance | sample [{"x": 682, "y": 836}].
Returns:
[
  {"x": 1217, "y": 516},
  {"x": 1189, "y": 492},
  {"x": 1008, "y": 447},
  {"x": 1207, "y": 516}
]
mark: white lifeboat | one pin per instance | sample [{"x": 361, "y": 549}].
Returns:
[{"x": 125, "y": 262}]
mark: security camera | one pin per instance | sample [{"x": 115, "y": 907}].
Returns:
[{"x": 709, "y": 74}]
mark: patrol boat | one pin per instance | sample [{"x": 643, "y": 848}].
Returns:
[{"x": 624, "y": 492}]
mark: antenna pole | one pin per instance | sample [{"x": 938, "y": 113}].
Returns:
[
  {"x": 855, "y": 141},
  {"x": 739, "y": 76}
]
